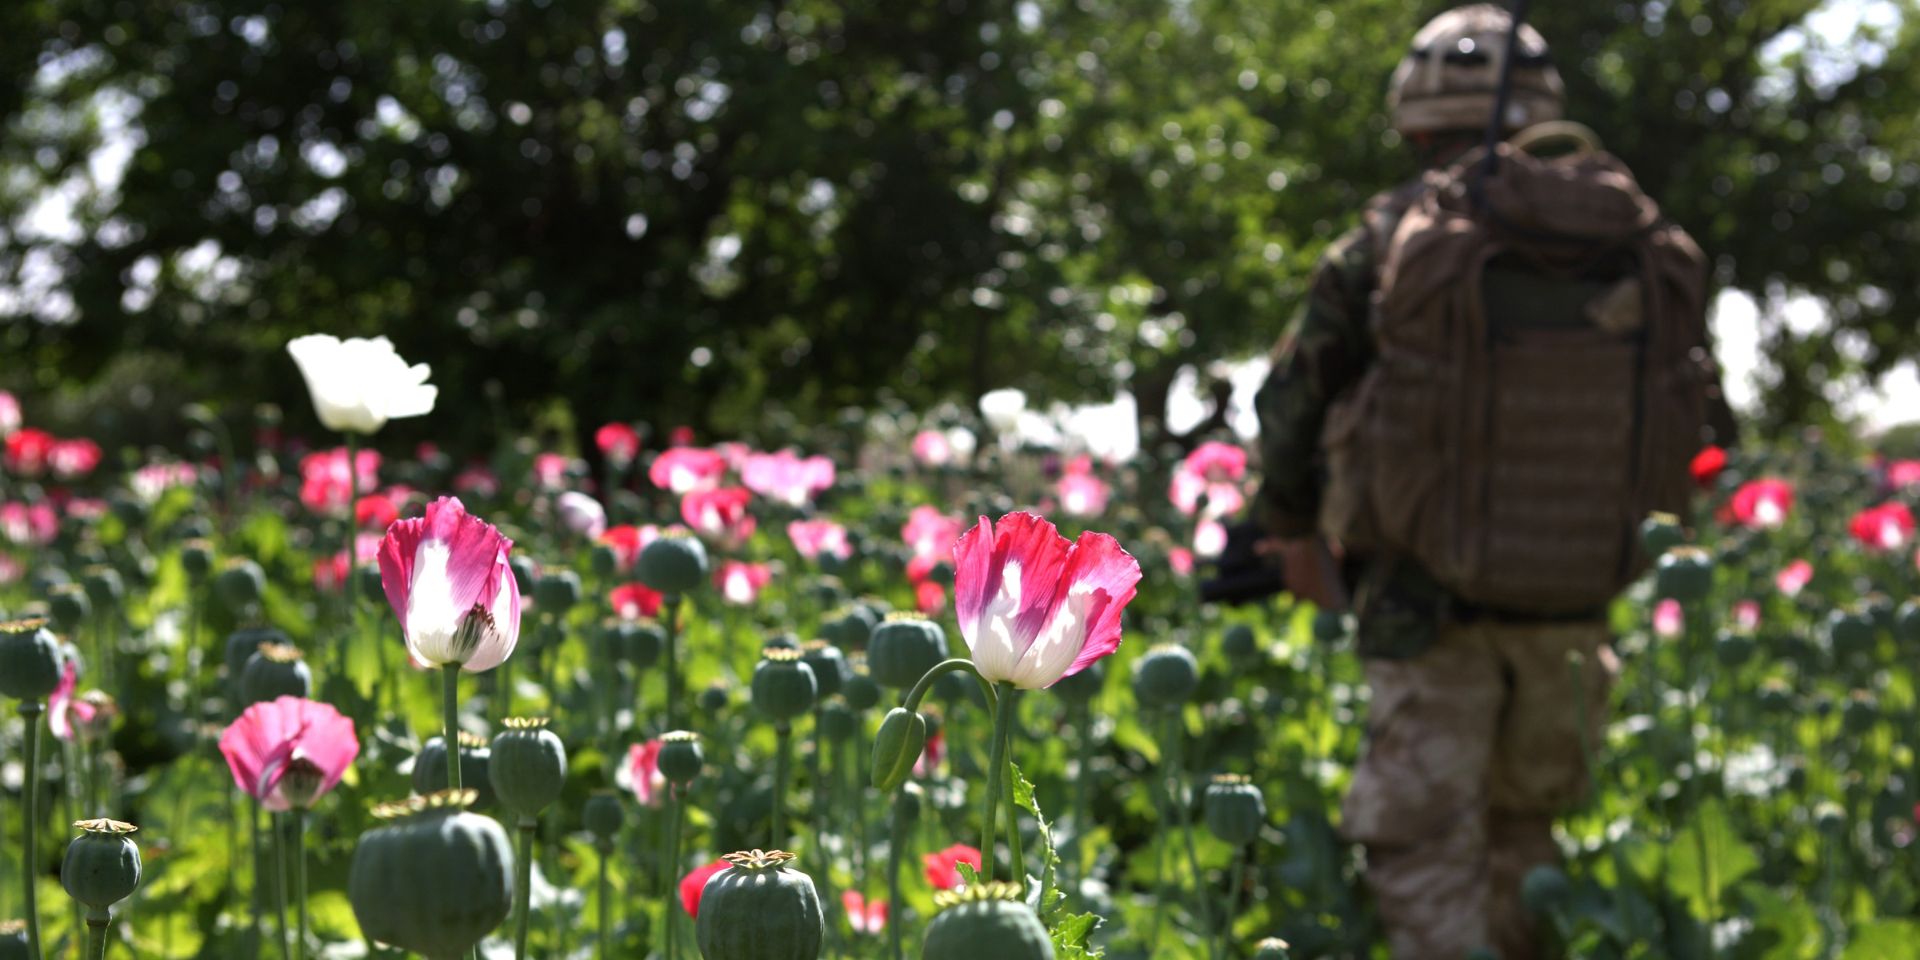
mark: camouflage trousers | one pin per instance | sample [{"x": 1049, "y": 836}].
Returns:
[{"x": 1472, "y": 748}]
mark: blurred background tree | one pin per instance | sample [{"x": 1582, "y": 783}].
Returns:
[{"x": 693, "y": 210}]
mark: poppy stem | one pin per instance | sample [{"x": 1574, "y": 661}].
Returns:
[
  {"x": 97, "y": 936},
  {"x": 605, "y": 908},
  {"x": 30, "y": 713},
  {"x": 674, "y": 820},
  {"x": 280, "y": 885},
  {"x": 782, "y": 767},
  {"x": 523, "y": 890},
  {"x": 1177, "y": 799},
  {"x": 996, "y": 775},
  {"x": 919, "y": 691},
  {"x": 673, "y": 662},
  {"x": 300, "y": 879},
  {"x": 896, "y": 852},
  {"x": 347, "y": 584},
  {"x": 450, "y": 704}
]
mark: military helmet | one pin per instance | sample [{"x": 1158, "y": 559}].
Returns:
[{"x": 1448, "y": 79}]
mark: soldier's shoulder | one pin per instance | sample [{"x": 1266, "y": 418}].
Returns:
[{"x": 1356, "y": 250}]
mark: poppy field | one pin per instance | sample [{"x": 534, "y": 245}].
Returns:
[{"x": 888, "y": 687}]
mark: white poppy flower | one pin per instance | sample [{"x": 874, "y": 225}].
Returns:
[{"x": 359, "y": 384}]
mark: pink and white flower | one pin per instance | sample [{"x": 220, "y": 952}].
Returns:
[
  {"x": 29, "y": 524},
  {"x": 683, "y": 470},
  {"x": 1794, "y": 577},
  {"x": 1081, "y": 493},
  {"x": 10, "y": 418},
  {"x": 812, "y": 538},
  {"x": 643, "y": 774},
  {"x": 785, "y": 477},
  {"x": 721, "y": 513},
  {"x": 73, "y": 458},
  {"x": 67, "y": 713},
  {"x": 289, "y": 752},
  {"x": 1034, "y": 607},
  {"x": 1668, "y": 619},
  {"x": 739, "y": 583},
  {"x": 932, "y": 448},
  {"x": 930, "y": 533},
  {"x": 865, "y": 916},
  {"x": 1215, "y": 471},
  {"x": 581, "y": 514},
  {"x": 447, "y": 577}
]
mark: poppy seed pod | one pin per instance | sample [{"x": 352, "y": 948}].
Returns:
[
  {"x": 557, "y": 592},
  {"x": 851, "y": 627},
  {"x": 904, "y": 648},
  {"x": 525, "y": 574},
  {"x": 644, "y": 641},
  {"x": 435, "y": 879},
  {"x": 1165, "y": 676},
  {"x": 196, "y": 558},
  {"x": 240, "y": 585},
  {"x": 602, "y": 816},
  {"x": 861, "y": 692},
  {"x": 30, "y": 660},
  {"x": 69, "y": 607},
  {"x": 1860, "y": 713},
  {"x": 1661, "y": 532},
  {"x": 1239, "y": 643},
  {"x": 13, "y": 940},
  {"x": 714, "y": 698},
  {"x": 897, "y": 747},
  {"x": 1733, "y": 648},
  {"x": 1684, "y": 574},
  {"x": 527, "y": 766},
  {"x": 1850, "y": 634},
  {"x": 1235, "y": 810},
  {"x": 102, "y": 865},
  {"x": 829, "y": 667},
  {"x": 1328, "y": 626},
  {"x": 1272, "y": 948},
  {"x": 985, "y": 920},
  {"x": 242, "y": 644},
  {"x": 104, "y": 586},
  {"x": 836, "y": 722},
  {"x": 759, "y": 909},
  {"x": 680, "y": 758},
  {"x": 675, "y": 563},
  {"x": 783, "y": 685},
  {"x": 603, "y": 561},
  {"x": 275, "y": 670},
  {"x": 430, "y": 769}
]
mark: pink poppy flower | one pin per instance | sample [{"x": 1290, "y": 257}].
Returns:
[
  {"x": 787, "y": 478},
  {"x": 375, "y": 511},
  {"x": 920, "y": 568},
  {"x": 811, "y": 538},
  {"x": 1214, "y": 470},
  {"x": 739, "y": 583},
  {"x": 324, "y": 478},
  {"x": 11, "y": 570},
  {"x": 1885, "y": 527},
  {"x": 68, "y": 714},
  {"x": 683, "y": 470},
  {"x": 73, "y": 458},
  {"x": 550, "y": 470},
  {"x": 932, "y": 448},
  {"x": 734, "y": 454},
  {"x": 152, "y": 480},
  {"x": 27, "y": 451},
  {"x": 447, "y": 577},
  {"x": 1902, "y": 474},
  {"x": 1746, "y": 615},
  {"x": 1794, "y": 577},
  {"x": 720, "y": 514},
  {"x": 330, "y": 572},
  {"x": 865, "y": 916},
  {"x": 626, "y": 541},
  {"x": 943, "y": 866},
  {"x": 30, "y": 525},
  {"x": 86, "y": 509},
  {"x": 1035, "y": 607},
  {"x": 477, "y": 480},
  {"x": 1209, "y": 538},
  {"x": 680, "y": 436},
  {"x": 1763, "y": 503},
  {"x": 1082, "y": 494},
  {"x": 644, "y": 778},
  {"x": 695, "y": 883},
  {"x": 289, "y": 752},
  {"x": 930, "y": 533},
  {"x": 930, "y": 598},
  {"x": 1668, "y": 619},
  {"x": 1181, "y": 560},
  {"x": 618, "y": 442},
  {"x": 634, "y": 600}
]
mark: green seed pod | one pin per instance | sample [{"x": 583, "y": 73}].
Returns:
[
  {"x": 602, "y": 815},
  {"x": 1239, "y": 643},
  {"x": 1733, "y": 649},
  {"x": 1830, "y": 819},
  {"x": 435, "y": 879},
  {"x": 897, "y": 747},
  {"x": 1684, "y": 574},
  {"x": 30, "y": 660},
  {"x": 476, "y": 755},
  {"x": 1165, "y": 676},
  {"x": 69, "y": 607},
  {"x": 1272, "y": 948},
  {"x": 1080, "y": 689},
  {"x": 527, "y": 766},
  {"x": 557, "y": 592},
  {"x": 196, "y": 558},
  {"x": 644, "y": 642},
  {"x": 275, "y": 670},
  {"x": 828, "y": 665},
  {"x": 861, "y": 692},
  {"x": 783, "y": 686},
  {"x": 1775, "y": 697},
  {"x": 1545, "y": 890},
  {"x": 240, "y": 585},
  {"x": 1861, "y": 712},
  {"x": 1235, "y": 810},
  {"x": 13, "y": 940},
  {"x": 603, "y": 561},
  {"x": 47, "y": 578},
  {"x": 1850, "y": 634},
  {"x": 759, "y": 909},
  {"x": 526, "y": 574},
  {"x": 242, "y": 644},
  {"x": 104, "y": 586},
  {"x": 836, "y": 722},
  {"x": 1906, "y": 623},
  {"x": 102, "y": 865},
  {"x": 714, "y": 698},
  {"x": 985, "y": 920},
  {"x": 1329, "y": 625},
  {"x": 132, "y": 512},
  {"x": 904, "y": 648},
  {"x": 852, "y": 626},
  {"x": 680, "y": 757},
  {"x": 674, "y": 564},
  {"x": 1661, "y": 532}
]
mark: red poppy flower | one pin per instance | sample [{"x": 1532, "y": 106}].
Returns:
[
  {"x": 1885, "y": 527},
  {"x": 1707, "y": 465},
  {"x": 1763, "y": 503},
  {"x": 27, "y": 451},
  {"x": 618, "y": 442},
  {"x": 943, "y": 867},
  {"x": 695, "y": 883},
  {"x": 634, "y": 600}
]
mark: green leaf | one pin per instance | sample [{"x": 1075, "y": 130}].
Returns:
[
  {"x": 1884, "y": 940},
  {"x": 1068, "y": 930},
  {"x": 1727, "y": 856}
]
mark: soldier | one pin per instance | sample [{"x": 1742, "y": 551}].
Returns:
[{"x": 1485, "y": 554}]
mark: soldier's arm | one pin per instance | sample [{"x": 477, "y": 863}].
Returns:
[{"x": 1323, "y": 352}]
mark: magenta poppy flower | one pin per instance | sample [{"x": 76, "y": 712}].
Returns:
[
  {"x": 151, "y": 480},
  {"x": 1746, "y": 615},
  {"x": 1035, "y": 607},
  {"x": 29, "y": 525},
  {"x": 618, "y": 442},
  {"x": 10, "y": 418},
  {"x": 812, "y": 538},
  {"x": 721, "y": 513},
  {"x": 67, "y": 714},
  {"x": 865, "y": 916},
  {"x": 930, "y": 533},
  {"x": 1214, "y": 470},
  {"x": 1794, "y": 577},
  {"x": 643, "y": 773},
  {"x": 786, "y": 477},
  {"x": 581, "y": 514},
  {"x": 683, "y": 470},
  {"x": 1763, "y": 503},
  {"x": 739, "y": 583},
  {"x": 1902, "y": 474},
  {"x": 932, "y": 448},
  {"x": 447, "y": 577},
  {"x": 930, "y": 598},
  {"x": 695, "y": 883},
  {"x": 1885, "y": 527},
  {"x": 1082, "y": 494},
  {"x": 289, "y": 752},
  {"x": 324, "y": 478}
]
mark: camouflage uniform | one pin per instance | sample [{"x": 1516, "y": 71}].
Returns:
[{"x": 1479, "y": 725}]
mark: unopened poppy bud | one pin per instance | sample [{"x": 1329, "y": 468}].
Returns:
[
  {"x": 675, "y": 563},
  {"x": 242, "y": 644},
  {"x": 275, "y": 670},
  {"x": 102, "y": 865},
  {"x": 680, "y": 757},
  {"x": 240, "y": 585},
  {"x": 985, "y": 920},
  {"x": 852, "y": 627},
  {"x": 904, "y": 648},
  {"x": 69, "y": 607},
  {"x": 557, "y": 592},
  {"x": 196, "y": 558},
  {"x": 828, "y": 666},
  {"x": 836, "y": 721},
  {"x": 1235, "y": 810},
  {"x": 527, "y": 766},
  {"x": 30, "y": 660},
  {"x": 602, "y": 815},
  {"x": 1661, "y": 532},
  {"x": 1733, "y": 649},
  {"x": 1684, "y": 574},
  {"x": 783, "y": 686},
  {"x": 1165, "y": 676},
  {"x": 897, "y": 747}
]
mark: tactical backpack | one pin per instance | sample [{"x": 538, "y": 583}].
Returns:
[{"x": 1541, "y": 382}]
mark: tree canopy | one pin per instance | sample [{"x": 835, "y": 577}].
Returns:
[{"x": 690, "y": 210}]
